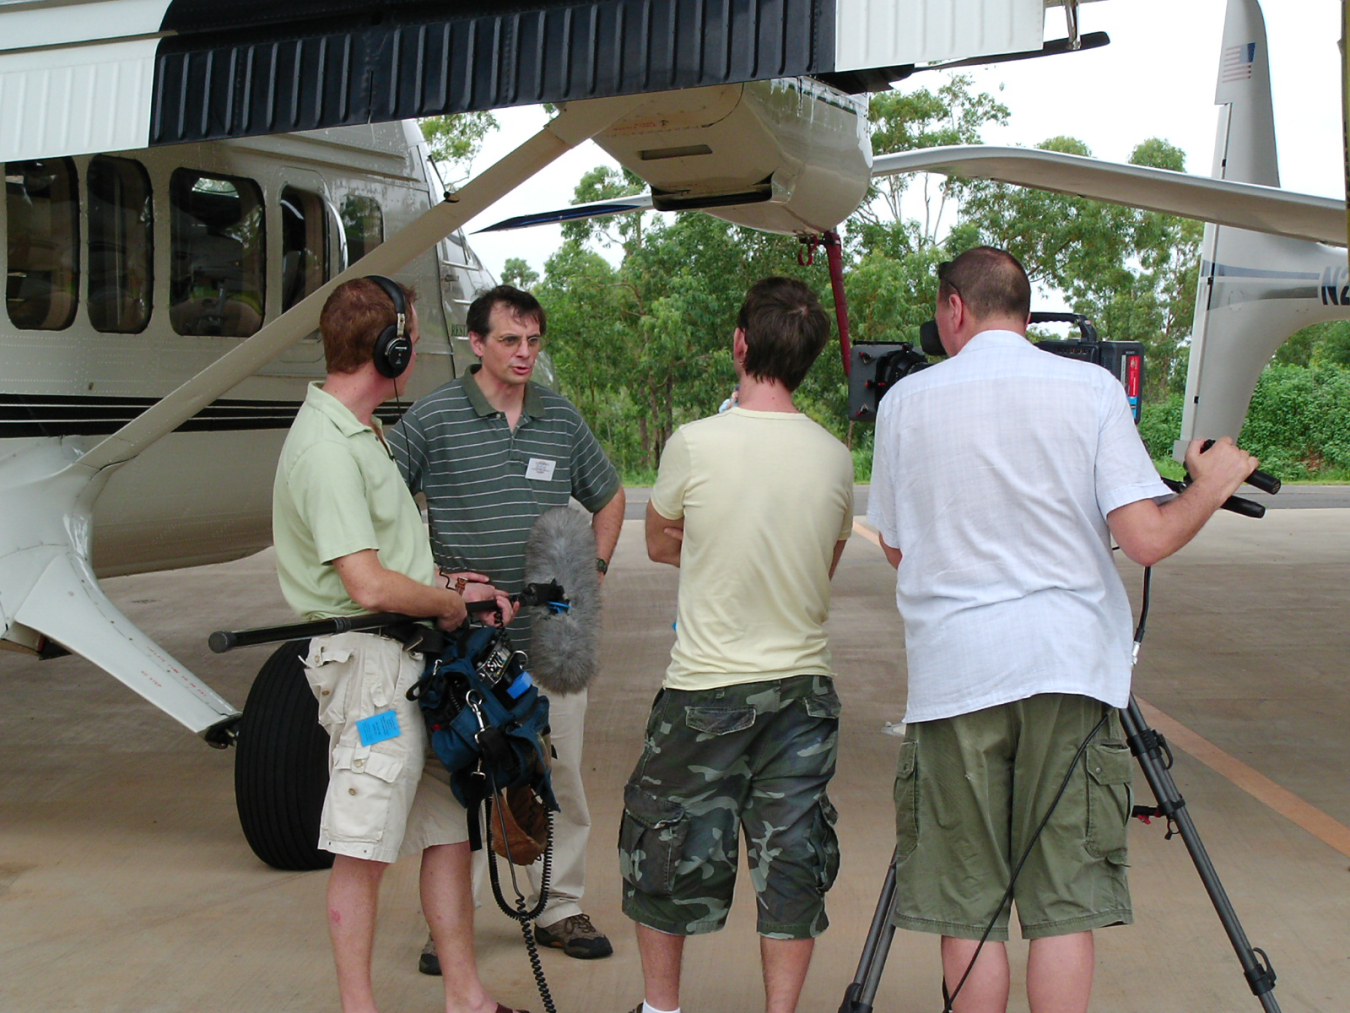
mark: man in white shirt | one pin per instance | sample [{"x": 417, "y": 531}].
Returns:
[
  {"x": 754, "y": 506},
  {"x": 1000, "y": 477}
]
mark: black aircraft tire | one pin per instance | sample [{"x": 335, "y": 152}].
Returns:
[{"x": 281, "y": 765}]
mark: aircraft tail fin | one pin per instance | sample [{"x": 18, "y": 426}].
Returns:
[
  {"x": 1245, "y": 148},
  {"x": 1254, "y": 289}
]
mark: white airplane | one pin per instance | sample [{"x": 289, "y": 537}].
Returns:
[{"x": 162, "y": 299}]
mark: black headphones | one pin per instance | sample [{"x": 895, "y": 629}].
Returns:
[{"x": 393, "y": 348}]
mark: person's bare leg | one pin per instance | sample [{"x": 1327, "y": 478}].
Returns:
[
  {"x": 661, "y": 956},
  {"x": 1059, "y": 973},
  {"x": 353, "y": 896},
  {"x": 447, "y": 902},
  {"x": 785, "y": 965},
  {"x": 986, "y": 990}
]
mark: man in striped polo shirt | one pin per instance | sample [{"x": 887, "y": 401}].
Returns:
[{"x": 492, "y": 451}]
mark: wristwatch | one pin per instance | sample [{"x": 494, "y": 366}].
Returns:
[{"x": 601, "y": 565}]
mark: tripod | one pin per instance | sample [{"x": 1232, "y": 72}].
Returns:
[{"x": 1155, "y": 758}]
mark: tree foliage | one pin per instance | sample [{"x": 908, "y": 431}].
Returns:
[
  {"x": 456, "y": 140},
  {"x": 644, "y": 345},
  {"x": 1133, "y": 272}
]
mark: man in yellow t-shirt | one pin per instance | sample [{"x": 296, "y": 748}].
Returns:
[
  {"x": 350, "y": 539},
  {"x": 754, "y": 506}
]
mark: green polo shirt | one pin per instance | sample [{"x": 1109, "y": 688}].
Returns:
[
  {"x": 486, "y": 484},
  {"x": 338, "y": 491}
]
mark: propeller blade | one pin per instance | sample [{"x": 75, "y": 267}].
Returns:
[{"x": 594, "y": 209}]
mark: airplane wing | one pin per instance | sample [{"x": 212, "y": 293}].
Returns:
[
  {"x": 81, "y": 76},
  {"x": 1224, "y": 202}
]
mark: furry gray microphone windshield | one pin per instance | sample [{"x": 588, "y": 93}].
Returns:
[{"x": 565, "y": 648}]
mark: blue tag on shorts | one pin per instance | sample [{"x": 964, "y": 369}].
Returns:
[{"x": 378, "y": 727}]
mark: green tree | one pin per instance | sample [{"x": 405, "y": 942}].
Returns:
[
  {"x": 1325, "y": 342},
  {"x": 605, "y": 182},
  {"x": 456, "y": 140},
  {"x": 952, "y": 114},
  {"x": 1133, "y": 272},
  {"x": 517, "y": 271}
]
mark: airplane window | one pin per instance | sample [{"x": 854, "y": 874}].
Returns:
[
  {"x": 304, "y": 245},
  {"x": 458, "y": 248},
  {"x": 363, "y": 222},
  {"x": 42, "y": 203},
  {"x": 121, "y": 244},
  {"x": 217, "y": 246}
]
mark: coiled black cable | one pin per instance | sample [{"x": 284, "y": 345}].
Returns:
[{"x": 519, "y": 913}]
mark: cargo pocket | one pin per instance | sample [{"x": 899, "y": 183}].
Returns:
[
  {"x": 360, "y": 792},
  {"x": 825, "y": 842},
  {"x": 651, "y": 841},
  {"x": 326, "y": 667},
  {"x": 1110, "y": 771},
  {"x": 823, "y": 705},
  {"x": 906, "y": 794},
  {"x": 713, "y": 721}
]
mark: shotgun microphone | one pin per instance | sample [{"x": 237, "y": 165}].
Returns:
[{"x": 564, "y": 646}]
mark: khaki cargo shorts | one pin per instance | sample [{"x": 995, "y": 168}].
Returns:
[
  {"x": 970, "y": 792},
  {"x": 387, "y": 796},
  {"x": 752, "y": 758}
]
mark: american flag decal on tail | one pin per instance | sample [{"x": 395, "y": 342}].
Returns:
[{"x": 1237, "y": 62}]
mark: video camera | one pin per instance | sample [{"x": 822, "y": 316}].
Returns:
[{"x": 875, "y": 367}]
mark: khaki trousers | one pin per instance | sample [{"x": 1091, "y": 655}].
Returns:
[{"x": 571, "y": 826}]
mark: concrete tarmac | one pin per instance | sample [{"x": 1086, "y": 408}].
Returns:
[{"x": 126, "y": 885}]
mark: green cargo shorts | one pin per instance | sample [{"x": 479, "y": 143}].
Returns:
[
  {"x": 754, "y": 757},
  {"x": 969, "y": 793}
]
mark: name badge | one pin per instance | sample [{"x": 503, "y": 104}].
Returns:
[
  {"x": 540, "y": 469},
  {"x": 378, "y": 727}
]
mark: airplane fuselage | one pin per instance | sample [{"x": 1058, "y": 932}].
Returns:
[{"x": 131, "y": 272}]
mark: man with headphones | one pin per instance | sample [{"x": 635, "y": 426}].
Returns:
[{"x": 349, "y": 539}]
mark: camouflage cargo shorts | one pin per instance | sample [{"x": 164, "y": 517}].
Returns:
[{"x": 756, "y": 756}]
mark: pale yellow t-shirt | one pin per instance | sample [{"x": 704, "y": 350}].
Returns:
[{"x": 765, "y": 496}]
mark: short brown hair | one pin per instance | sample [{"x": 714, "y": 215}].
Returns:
[
  {"x": 992, "y": 282},
  {"x": 353, "y": 319},
  {"x": 521, "y": 304},
  {"x": 785, "y": 330}
]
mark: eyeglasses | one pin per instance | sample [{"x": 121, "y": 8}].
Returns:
[{"x": 512, "y": 341}]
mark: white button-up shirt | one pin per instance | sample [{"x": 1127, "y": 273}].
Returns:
[{"x": 993, "y": 475}]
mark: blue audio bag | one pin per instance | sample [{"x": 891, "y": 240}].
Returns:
[{"x": 487, "y": 721}]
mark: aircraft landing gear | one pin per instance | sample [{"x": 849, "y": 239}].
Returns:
[{"x": 281, "y": 765}]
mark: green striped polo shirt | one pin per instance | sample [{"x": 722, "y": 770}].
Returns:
[{"x": 485, "y": 484}]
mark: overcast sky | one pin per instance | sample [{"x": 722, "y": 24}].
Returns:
[{"x": 1155, "y": 79}]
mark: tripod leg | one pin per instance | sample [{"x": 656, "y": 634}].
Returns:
[
  {"x": 1149, "y": 748},
  {"x": 860, "y": 995}
]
